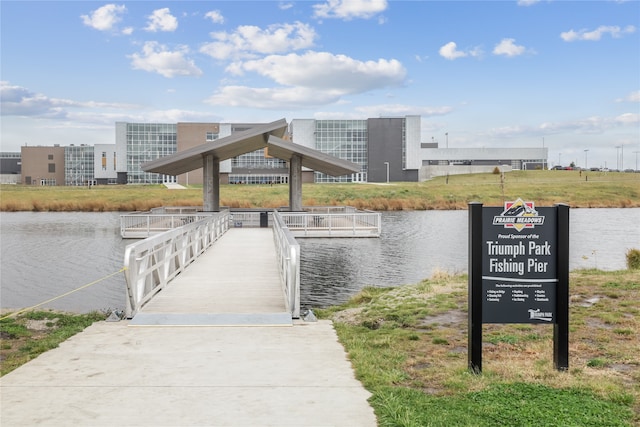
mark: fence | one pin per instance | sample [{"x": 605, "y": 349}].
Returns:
[{"x": 153, "y": 262}]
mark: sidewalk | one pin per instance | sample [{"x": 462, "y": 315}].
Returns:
[{"x": 115, "y": 375}]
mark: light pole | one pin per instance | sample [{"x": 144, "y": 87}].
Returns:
[
  {"x": 559, "y": 159},
  {"x": 447, "y": 137},
  {"x": 618, "y": 156},
  {"x": 636, "y": 152},
  {"x": 586, "y": 166},
  {"x": 387, "y": 165}
]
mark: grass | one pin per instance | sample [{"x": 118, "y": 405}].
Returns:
[
  {"x": 408, "y": 346},
  {"x": 544, "y": 187},
  {"x": 29, "y": 334}
]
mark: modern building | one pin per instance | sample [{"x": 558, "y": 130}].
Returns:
[
  {"x": 79, "y": 165},
  {"x": 10, "y": 167},
  {"x": 43, "y": 165},
  {"x": 105, "y": 164},
  {"x": 138, "y": 143},
  {"x": 387, "y": 149}
]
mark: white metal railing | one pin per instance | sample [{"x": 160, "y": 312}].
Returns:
[
  {"x": 143, "y": 225},
  {"x": 348, "y": 224},
  {"x": 288, "y": 254},
  {"x": 151, "y": 263}
]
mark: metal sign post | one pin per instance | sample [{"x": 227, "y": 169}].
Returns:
[{"x": 518, "y": 272}]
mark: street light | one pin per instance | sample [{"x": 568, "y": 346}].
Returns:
[
  {"x": 636, "y": 160},
  {"x": 447, "y": 136},
  {"x": 559, "y": 159},
  {"x": 586, "y": 166},
  {"x": 618, "y": 156},
  {"x": 387, "y": 165}
]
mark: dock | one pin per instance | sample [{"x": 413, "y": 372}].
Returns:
[{"x": 214, "y": 344}]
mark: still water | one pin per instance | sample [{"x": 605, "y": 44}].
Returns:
[{"x": 44, "y": 255}]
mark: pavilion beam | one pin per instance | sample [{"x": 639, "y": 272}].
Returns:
[
  {"x": 295, "y": 183},
  {"x": 211, "y": 183}
]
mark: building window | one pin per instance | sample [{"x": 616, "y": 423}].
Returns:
[
  {"x": 114, "y": 161},
  {"x": 104, "y": 160},
  {"x": 52, "y": 168},
  {"x": 212, "y": 136},
  {"x": 50, "y": 157}
]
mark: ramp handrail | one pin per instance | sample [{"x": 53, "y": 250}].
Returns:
[
  {"x": 151, "y": 263},
  {"x": 288, "y": 254}
]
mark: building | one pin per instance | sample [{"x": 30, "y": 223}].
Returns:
[
  {"x": 138, "y": 143},
  {"x": 43, "y": 165},
  {"x": 79, "y": 165},
  {"x": 387, "y": 149},
  {"x": 455, "y": 161},
  {"x": 105, "y": 164},
  {"x": 10, "y": 167}
]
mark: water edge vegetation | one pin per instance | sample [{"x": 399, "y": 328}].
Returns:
[{"x": 575, "y": 188}]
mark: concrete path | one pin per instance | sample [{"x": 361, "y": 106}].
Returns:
[{"x": 112, "y": 374}]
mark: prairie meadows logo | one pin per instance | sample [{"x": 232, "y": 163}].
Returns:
[{"x": 519, "y": 215}]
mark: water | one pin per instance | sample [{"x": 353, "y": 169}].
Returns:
[{"x": 44, "y": 255}]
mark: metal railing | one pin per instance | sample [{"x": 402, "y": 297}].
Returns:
[
  {"x": 288, "y": 254},
  {"x": 151, "y": 263},
  {"x": 319, "y": 222},
  {"x": 140, "y": 225}
]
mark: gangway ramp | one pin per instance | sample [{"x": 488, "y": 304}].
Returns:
[{"x": 235, "y": 282}]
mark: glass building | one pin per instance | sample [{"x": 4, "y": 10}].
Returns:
[
  {"x": 146, "y": 142},
  {"x": 78, "y": 165}
]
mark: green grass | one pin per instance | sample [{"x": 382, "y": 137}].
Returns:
[
  {"x": 408, "y": 348},
  {"x": 30, "y": 334},
  {"x": 544, "y": 187}
]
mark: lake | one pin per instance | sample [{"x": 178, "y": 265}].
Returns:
[{"x": 47, "y": 254}]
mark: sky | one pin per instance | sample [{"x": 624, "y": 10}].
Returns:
[{"x": 531, "y": 73}]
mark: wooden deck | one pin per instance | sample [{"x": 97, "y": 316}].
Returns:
[{"x": 235, "y": 282}]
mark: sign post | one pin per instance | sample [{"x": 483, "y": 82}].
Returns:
[{"x": 518, "y": 272}]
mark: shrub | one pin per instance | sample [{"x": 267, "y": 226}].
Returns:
[
  {"x": 633, "y": 259},
  {"x": 496, "y": 171}
]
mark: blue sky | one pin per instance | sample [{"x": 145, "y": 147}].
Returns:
[{"x": 559, "y": 74}]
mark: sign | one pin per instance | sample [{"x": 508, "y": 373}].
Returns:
[
  {"x": 519, "y": 264},
  {"x": 519, "y": 271}
]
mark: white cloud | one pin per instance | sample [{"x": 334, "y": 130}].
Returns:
[
  {"x": 215, "y": 16},
  {"x": 527, "y": 2},
  {"x": 158, "y": 59},
  {"x": 508, "y": 47},
  {"x": 402, "y": 110},
  {"x": 272, "y": 98},
  {"x": 312, "y": 79},
  {"x": 450, "y": 51},
  {"x": 20, "y": 101},
  {"x": 104, "y": 18},
  {"x": 595, "y": 35},
  {"x": 326, "y": 71},
  {"x": 162, "y": 20},
  {"x": 350, "y": 9},
  {"x": 631, "y": 97},
  {"x": 248, "y": 40},
  {"x": 628, "y": 119},
  {"x": 285, "y": 5}
]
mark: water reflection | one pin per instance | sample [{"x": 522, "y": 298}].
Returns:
[{"x": 44, "y": 255}]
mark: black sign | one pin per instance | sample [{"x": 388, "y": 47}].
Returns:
[
  {"x": 519, "y": 272},
  {"x": 519, "y": 264}
]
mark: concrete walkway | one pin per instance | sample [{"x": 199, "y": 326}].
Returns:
[{"x": 112, "y": 374}]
